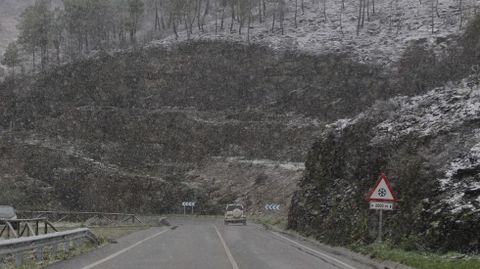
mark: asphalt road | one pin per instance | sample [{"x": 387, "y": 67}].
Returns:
[{"x": 205, "y": 243}]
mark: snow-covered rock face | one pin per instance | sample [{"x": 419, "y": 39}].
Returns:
[
  {"x": 464, "y": 193},
  {"x": 429, "y": 146},
  {"x": 439, "y": 110}
]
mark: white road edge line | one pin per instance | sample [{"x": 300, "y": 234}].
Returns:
[
  {"x": 123, "y": 250},
  {"x": 315, "y": 251},
  {"x": 227, "y": 250}
]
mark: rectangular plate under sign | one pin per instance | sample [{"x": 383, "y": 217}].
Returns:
[{"x": 381, "y": 206}]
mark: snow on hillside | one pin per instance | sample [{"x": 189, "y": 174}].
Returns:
[
  {"x": 466, "y": 163},
  {"x": 445, "y": 110},
  {"x": 440, "y": 110},
  {"x": 446, "y": 117},
  {"x": 394, "y": 26}
]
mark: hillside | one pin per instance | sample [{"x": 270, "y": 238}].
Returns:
[
  {"x": 429, "y": 147},
  {"x": 156, "y": 114},
  {"x": 386, "y": 34},
  {"x": 389, "y": 27},
  {"x": 144, "y": 124}
]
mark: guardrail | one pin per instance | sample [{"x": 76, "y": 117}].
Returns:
[
  {"x": 24, "y": 227},
  {"x": 58, "y": 216},
  {"x": 15, "y": 250}
]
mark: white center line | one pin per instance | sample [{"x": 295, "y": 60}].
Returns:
[
  {"x": 227, "y": 250},
  {"x": 123, "y": 250},
  {"x": 315, "y": 251}
]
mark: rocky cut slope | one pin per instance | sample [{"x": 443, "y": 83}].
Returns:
[{"x": 428, "y": 145}]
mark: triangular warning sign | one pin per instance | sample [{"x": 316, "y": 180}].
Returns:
[{"x": 382, "y": 192}]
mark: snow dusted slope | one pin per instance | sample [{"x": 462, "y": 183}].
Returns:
[
  {"x": 386, "y": 33},
  {"x": 395, "y": 25},
  {"x": 453, "y": 110},
  {"x": 428, "y": 145}
]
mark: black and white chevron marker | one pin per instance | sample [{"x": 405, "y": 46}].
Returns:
[
  {"x": 274, "y": 207},
  {"x": 188, "y": 204}
]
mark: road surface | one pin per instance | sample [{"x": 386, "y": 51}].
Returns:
[{"x": 205, "y": 243}]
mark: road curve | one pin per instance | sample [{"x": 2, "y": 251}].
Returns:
[{"x": 205, "y": 243}]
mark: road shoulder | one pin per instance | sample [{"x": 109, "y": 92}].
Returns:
[
  {"x": 123, "y": 243},
  {"x": 343, "y": 253}
]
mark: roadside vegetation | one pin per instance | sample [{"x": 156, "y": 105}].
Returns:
[
  {"x": 419, "y": 259},
  {"x": 279, "y": 222},
  {"x": 53, "y": 257}
]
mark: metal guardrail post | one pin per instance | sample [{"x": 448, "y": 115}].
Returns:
[
  {"x": 20, "y": 227},
  {"x": 11, "y": 228},
  {"x": 19, "y": 259},
  {"x": 39, "y": 254}
]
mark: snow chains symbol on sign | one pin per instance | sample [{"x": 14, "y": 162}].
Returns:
[{"x": 382, "y": 192}]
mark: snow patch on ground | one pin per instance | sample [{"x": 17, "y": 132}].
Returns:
[
  {"x": 292, "y": 166},
  {"x": 341, "y": 124}
]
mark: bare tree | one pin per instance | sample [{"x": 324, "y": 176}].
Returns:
[
  {"x": 260, "y": 20},
  {"x": 223, "y": 6},
  {"x": 342, "y": 7},
  {"x": 296, "y": 11},
  {"x": 282, "y": 10},
  {"x": 274, "y": 12},
  {"x": 359, "y": 19},
  {"x": 460, "y": 8},
  {"x": 232, "y": 9},
  {"x": 433, "y": 15},
  {"x": 325, "y": 10}
]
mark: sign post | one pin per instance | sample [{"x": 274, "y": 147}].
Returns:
[
  {"x": 382, "y": 197},
  {"x": 185, "y": 204}
]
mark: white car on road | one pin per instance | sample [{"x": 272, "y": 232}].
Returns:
[{"x": 235, "y": 213}]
